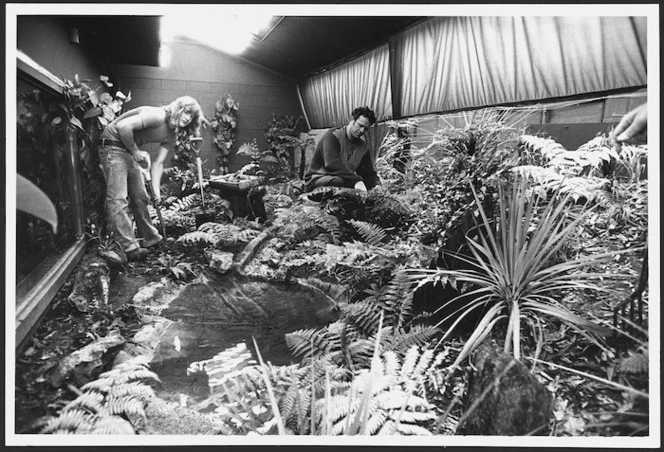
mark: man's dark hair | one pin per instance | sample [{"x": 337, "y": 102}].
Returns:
[{"x": 366, "y": 112}]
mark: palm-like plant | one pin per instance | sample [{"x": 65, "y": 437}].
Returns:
[{"x": 513, "y": 273}]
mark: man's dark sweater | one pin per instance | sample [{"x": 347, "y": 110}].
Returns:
[{"x": 336, "y": 155}]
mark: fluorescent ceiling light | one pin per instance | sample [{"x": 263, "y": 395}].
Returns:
[{"x": 231, "y": 33}]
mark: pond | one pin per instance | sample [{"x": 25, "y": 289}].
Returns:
[{"x": 213, "y": 325}]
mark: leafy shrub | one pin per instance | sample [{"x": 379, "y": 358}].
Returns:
[{"x": 512, "y": 276}]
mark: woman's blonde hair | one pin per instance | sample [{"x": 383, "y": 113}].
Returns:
[{"x": 178, "y": 106}]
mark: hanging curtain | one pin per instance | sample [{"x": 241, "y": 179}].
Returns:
[
  {"x": 450, "y": 63},
  {"x": 330, "y": 97}
]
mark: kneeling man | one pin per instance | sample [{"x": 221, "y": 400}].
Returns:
[{"x": 342, "y": 157}]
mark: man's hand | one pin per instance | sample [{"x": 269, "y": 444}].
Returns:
[
  {"x": 142, "y": 158},
  {"x": 632, "y": 127},
  {"x": 360, "y": 186}
]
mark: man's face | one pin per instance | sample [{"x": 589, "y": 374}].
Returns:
[{"x": 359, "y": 126}]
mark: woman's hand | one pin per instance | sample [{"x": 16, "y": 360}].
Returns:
[{"x": 142, "y": 158}]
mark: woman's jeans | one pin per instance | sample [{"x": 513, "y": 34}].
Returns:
[{"x": 124, "y": 179}]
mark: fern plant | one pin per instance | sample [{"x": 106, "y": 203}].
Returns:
[
  {"x": 105, "y": 403},
  {"x": 388, "y": 398},
  {"x": 371, "y": 233},
  {"x": 512, "y": 276},
  {"x": 348, "y": 342},
  {"x": 632, "y": 161}
]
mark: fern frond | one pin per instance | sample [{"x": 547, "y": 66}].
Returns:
[
  {"x": 391, "y": 362},
  {"x": 91, "y": 401},
  {"x": 635, "y": 364},
  {"x": 321, "y": 194},
  {"x": 134, "y": 389},
  {"x": 112, "y": 425},
  {"x": 370, "y": 233},
  {"x": 397, "y": 300},
  {"x": 198, "y": 237},
  {"x": 330, "y": 224},
  {"x": 401, "y": 340},
  {"x": 303, "y": 408},
  {"x": 417, "y": 417},
  {"x": 120, "y": 375},
  {"x": 185, "y": 203},
  {"x": 363, "y": 314},
  {"x": 303, "y": 342},
  {"x": 410, "y": 361},
  {"x": 361, "y": 351},
  {"x": 129, "y": 405},
  {"x": 423, "y": 364},
  {"x": 376, "y": 421},
  {"x": 287, "y": 402},
  {"x": 103, "y": 385},
  {"x": 337, "y": 292},
  {"x": 412, "y": 429},
  {"x": 74, "y": 420}
]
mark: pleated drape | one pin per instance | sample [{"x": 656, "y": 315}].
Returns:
[
  {"x": 453, "y": 63},
  {"x": 331, "y": 96}
]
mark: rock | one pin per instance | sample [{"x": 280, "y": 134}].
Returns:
[
  {"x": 222, "y": 235},
  {"x": 251, "y": 248},
  {"x": 81, "y": 365},
  {"x": 152, "y": 299},
  {"x": 144, "y": 342},
  {"x": 114, "y": 257},
  {"x": 91, "y": 284},
  {"x": 221, "y": 261},
  {"x": 504, "y": 398}
]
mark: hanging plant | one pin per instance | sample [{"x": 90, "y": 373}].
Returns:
[{"x": 224, "y": 125}]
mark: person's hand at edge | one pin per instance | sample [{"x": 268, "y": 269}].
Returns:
[{"x": 632, "y": 128}]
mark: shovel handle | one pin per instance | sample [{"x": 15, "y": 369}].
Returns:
[
  {"x": 155, "y": 204},
  {"x": 199, "y": 165}
]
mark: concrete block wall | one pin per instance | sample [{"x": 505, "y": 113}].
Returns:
[{"x": 207, "y": 75}]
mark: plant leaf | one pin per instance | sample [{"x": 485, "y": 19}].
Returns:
[{"x": 30, "y": 199}]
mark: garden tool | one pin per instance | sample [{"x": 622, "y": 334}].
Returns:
[
  {"x": 205, "y": 217},
  {"x": 147, "y": 180}
]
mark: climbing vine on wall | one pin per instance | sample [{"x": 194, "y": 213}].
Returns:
[{"x": 224, "y": 125}]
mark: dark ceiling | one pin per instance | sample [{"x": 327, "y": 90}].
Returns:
[
  {"x": 297, "y": 46},
  {"x": 119, "y": 39},
  {"x": 300, "y": 46}
]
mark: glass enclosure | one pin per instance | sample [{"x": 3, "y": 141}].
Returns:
[{"x": 43, "y": 156}]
